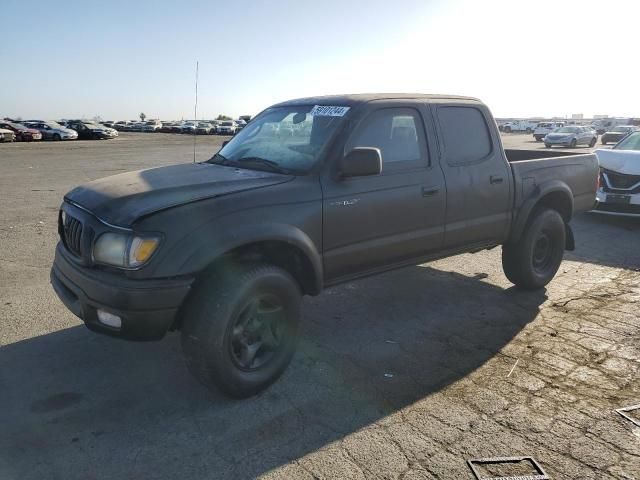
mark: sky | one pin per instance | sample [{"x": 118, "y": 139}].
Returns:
[{"x": 118, "y": 58}]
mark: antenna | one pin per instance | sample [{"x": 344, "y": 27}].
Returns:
[{"x": 195, "y": 114}]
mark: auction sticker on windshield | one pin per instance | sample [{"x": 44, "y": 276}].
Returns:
[{"x": 328, "y": 111}]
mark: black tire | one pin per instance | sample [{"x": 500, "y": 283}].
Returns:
[
  {"x": 592, "y": 143},
  {"x": 507, "y": 129},
  {"x": 226, "y": 341},
  {"x": 529, "y": 130},
  {"x": 573, "y": 144},
  {"x": 56, "y": 137},
  {"x": 547, "y": 145},
  {"x": 533, "y": 261},
  {"x": 538, "y": 139},
  {"x": 604, "y": 142}
]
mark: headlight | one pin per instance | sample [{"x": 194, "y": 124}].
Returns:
[{"x": 125, "y": 251}]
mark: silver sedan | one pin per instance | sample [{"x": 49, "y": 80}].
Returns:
[{"x": 571, "y": 137}]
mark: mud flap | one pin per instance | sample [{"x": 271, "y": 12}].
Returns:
[{"x": 569, "y": 243}]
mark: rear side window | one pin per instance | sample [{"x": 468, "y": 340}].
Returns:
[
  {"x": 465, "y": 134},
  {"x": 397, "y": 132}
]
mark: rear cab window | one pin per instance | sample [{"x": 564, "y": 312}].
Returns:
[{"x": 465, "y": 134}]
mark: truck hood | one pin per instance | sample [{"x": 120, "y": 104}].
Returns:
[
  {"x": 122, "y": 199},
  {"x": 621, "y": 161}
]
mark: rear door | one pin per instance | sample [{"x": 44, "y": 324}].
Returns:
[
  {"x": 478, "y": 177},
  {"x": 370, "y": 222}
]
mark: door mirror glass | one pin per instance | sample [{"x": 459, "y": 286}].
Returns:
[{"x": 361, "y": 162}]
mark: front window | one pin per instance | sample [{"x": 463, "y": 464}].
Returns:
[
  {"x": 621, "y": 129},
  {"x": 286, "y": 139},
  {"x": 632, "y": 142},
  {"x": 567, "y": 130}
]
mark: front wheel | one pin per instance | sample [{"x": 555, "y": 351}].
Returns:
[
  {"x": 573, "y": 143},
  {"x": 592, "y": 143},
  {"x": 56, "y": 137},
  {"x": 240, "y": 328},
  {"x": 604, "y": 142},
  {"x": 547, "y": 145},
  {"x": 533, "y": 261}
]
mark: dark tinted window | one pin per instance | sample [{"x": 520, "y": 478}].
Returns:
[
  {"x": 465, "y": 134},
  {"x": 397, "y": 132}
]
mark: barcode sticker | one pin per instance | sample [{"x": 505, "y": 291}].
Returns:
[{"x": 328, "y": 111}]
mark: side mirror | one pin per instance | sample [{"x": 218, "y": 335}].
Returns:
[{"x": 361, "y": 162}]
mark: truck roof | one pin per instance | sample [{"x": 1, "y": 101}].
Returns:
[{"x": 352, "y": 100}]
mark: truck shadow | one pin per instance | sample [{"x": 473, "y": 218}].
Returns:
[{"x": 78, "y": 405}]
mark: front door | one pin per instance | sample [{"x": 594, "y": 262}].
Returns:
[{"x": 370, "y": 222}]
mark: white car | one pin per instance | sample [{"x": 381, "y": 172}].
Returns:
[
  {"x": 7, "y": 135},
  {"x": 227, "y": 127},
  {"x": 151, "y": 126},
  {"x": 543, "y": 128},
  {"x": 519, "y": 126},
  {"x": 619, "y": 189}
]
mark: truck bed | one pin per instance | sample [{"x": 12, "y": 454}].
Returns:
[{"x": 533, "y": 168}]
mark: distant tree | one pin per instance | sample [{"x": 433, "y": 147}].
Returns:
[
  {"x": 224, "y": 117},
  {"x": 142, "y": 117}
]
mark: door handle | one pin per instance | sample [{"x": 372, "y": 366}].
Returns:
[
  {"x": 430, "y": 191},
  {"x": 495, "y": 179}
]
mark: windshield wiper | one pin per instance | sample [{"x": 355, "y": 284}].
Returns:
[
  {"x": 270, "y": 164},
  {"x": 219, "y": 159}
]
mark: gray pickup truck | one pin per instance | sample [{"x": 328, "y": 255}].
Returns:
[{"x": 311, "y": 193}]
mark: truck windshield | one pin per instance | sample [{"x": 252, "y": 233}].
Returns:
[{"x": 289, "y": 139}]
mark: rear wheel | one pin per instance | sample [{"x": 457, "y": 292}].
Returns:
[
  {"x": 507, "y": 129},
  {"x": 592, "y": 143},
  {"x": 57, "y": 137},
  {"x": 240, "y": 329},
  {"x": 547, "y": 145},
  {"x": 533, "y": 261},
  {"x": 573, "y": 143},
  {"x": 604, "y": 142}
]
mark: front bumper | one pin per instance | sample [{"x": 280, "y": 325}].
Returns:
[
  {"x": 565, "y": 142},
  {"x": 630, "y": 209},
  {"x": 148, "y": 308}
]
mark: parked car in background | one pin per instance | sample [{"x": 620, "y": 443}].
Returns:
[
  {"x": 240, "y": 124},
  {"x": 135, "y": 126},
  {"x": 51, "y": 130},
  {"x": 203, "y": 128},
  {"x": 215, "y": 124},
  {"x": 227, "y": 127},
  {"x": 189, "y": 127},
  {"x": 519, "y": 126},
  {"x": 544, "y": 128},
  {"x": 617, "y": 133},
  {"x": 22, "y": 132},
  {"x": 151, "y": 126},
  {"x": 108, "y": 123},
  {"x": 121, "y": 125},
  {"x": 7, "y": 135},
  {"x": 91, "y": 131},
  {"x": 166, "y": 127},
  {"x": 619, "y": 187},
  {"x": 571, "y": 137}
]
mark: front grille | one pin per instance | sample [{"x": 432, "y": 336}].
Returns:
[
  {"x": 621, "y": 180},
  {"x": 72, "y": 234}
]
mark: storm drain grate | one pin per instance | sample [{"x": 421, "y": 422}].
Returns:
[
  {"x": 478, "y": 463},
  {"x": 625, "y": 413}
]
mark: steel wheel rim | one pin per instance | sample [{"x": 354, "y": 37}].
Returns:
[
  {"x": 257, "y": 334},
  {"x": 542, "y": 252}
]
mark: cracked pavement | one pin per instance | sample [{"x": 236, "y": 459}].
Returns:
[{"x": 401, "y": 376}]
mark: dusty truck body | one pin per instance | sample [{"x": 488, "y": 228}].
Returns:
[{"x": 311, "y": 193}]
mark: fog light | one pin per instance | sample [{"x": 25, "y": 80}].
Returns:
[{"x": 109, "y": 319}]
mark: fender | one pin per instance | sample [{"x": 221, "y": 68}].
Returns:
[
  {"x": 533, "y": 200},
  {"x": 224, "y": 240}
]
